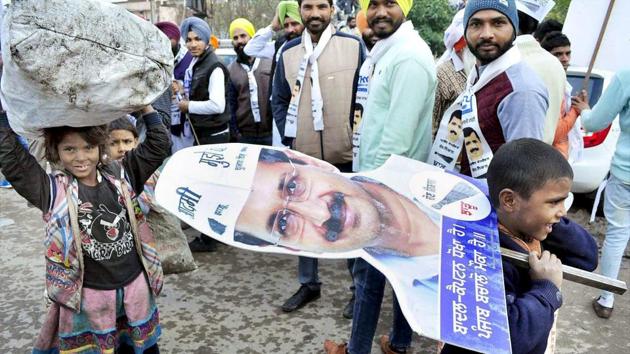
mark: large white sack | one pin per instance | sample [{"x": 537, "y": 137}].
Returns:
[{"x": 78, "y": 63}]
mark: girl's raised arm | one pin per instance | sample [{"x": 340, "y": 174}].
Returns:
[{"x": 22, "y": 170}]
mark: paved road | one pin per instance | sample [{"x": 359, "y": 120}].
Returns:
[{"x": 231, "y": 303}]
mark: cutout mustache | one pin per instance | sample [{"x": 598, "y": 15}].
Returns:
[{"x": 334, "y": 225}]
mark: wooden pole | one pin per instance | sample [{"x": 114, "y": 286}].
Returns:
[
  {"x": 602, "y": 31},
  {"x": 571, "y": 273}
]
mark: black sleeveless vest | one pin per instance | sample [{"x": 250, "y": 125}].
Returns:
[{"x": 201, "y": 72}]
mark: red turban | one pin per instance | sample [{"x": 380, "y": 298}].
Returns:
[{"x": 170, "y": 29}]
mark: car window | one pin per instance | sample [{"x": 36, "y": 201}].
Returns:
[
  {"x": 227, "y": 59},
  {"x": 227, "y": 56},
  {"x": 594, "y": 88}
]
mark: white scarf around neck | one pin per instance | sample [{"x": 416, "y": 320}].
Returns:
[
  {"x": 403, "y": 34},
  {"x": 446, "y": 150},
  {"x": 317, "y": 103},
  {"x": 253, "y": 88}
]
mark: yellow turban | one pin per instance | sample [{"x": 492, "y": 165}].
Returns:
[
  {"x": 405, "y": 5},
  {"x": 242, "y": 24}
]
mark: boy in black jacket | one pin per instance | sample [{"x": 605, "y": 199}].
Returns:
[{"x": 528, "y": 182}]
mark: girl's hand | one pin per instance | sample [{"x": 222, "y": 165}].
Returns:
[{"x": 147, "y": 109}]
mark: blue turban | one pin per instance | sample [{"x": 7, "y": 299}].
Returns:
[{"x": 197, "y": 25}]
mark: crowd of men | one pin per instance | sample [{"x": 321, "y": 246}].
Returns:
[{"x": 356, "y": 95}]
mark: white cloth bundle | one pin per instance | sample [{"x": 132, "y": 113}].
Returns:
[{"x": 79, "y": 63}]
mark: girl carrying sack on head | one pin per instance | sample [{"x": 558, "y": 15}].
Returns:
[{"x": 103, "y": 272}]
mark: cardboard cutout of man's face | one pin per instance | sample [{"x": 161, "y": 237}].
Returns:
[
  {"x": 358, "y": 114},
  {"x": 454, "y": 128},
  {"x": 474, "y": 149},
  {"x": 296, "y": 90},
  {"x": 305, "y": 207}
]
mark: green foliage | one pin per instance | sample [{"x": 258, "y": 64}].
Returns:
[
  {"x": 559, "y": 12},
  {"x": 431, "y": 18},
  {"x": 259, "y": 12}
]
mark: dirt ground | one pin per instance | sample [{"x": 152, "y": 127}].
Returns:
[{"x": 231, "y": 303}]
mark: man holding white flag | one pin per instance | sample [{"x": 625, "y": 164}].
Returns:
[
  {"x": 504, "y": 98},
  {"x": 395, "y": 93},
  {"x": 313, "y": 93}
]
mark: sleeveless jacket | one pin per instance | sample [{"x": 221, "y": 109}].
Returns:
[
  {"x": 64, "y": 257},
  {"x": 337, "y": 80},
  {"x": 244, "y": 116},
  {"x": 201, "y": 72}
]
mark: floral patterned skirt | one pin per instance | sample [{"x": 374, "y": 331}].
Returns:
[{"x": 108, "y": 318}]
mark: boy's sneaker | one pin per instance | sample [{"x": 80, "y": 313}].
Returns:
[
  {"x": 5, "y": 184},
  {"x": 600, "y": 310}
]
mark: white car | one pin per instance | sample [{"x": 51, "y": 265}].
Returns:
[
  {"x": 594, "y": 164},
  {"x": 226, "y": 52}
]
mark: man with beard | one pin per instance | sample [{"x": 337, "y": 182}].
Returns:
[
  {"x": 288, "y": 19},
  {"x": 504, "y": 98},
  {"x": 248, "y": 91},
  {"x": 397, "y": 90},
  {"x": 367, "y": 35},
  {"x": 351, "y": 26},
  {"x": 317, "y": 120},
  {"x": 180, "y": 53},
  {"x": 181, "y": 133}
]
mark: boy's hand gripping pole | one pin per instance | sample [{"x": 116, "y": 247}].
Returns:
[{"x": 573, "y": 274}]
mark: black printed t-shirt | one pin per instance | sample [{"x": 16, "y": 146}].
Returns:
[{"x": 109, "y": 252}]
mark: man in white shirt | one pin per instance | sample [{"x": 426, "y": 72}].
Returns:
[
  {"x": 287, "y": 17},
  {"x": 205, "y": 86}
]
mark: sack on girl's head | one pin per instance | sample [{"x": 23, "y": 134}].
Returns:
[{"x": 79, "y": 63}]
